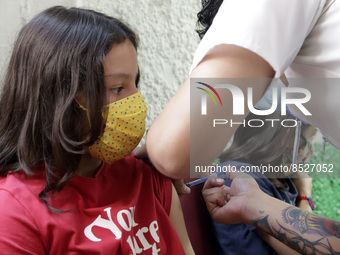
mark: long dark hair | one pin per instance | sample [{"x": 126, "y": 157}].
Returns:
[
  {"x": 206, "y": 16},
  {"x": 57, "y": 56},
  {"x": 260, "y": 145}
]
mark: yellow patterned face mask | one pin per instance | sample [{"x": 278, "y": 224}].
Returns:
[{"x": 125, "y": 126}]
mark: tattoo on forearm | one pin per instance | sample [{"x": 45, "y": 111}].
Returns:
[
  {"x": 312, "y": 222},
  {"x": 309, "y": 233},
  {"x": 294, "y": 216}
]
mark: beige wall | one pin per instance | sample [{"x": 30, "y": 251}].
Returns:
[
  {"x": 167, "y": 43},
  {"x": 13, "y": 15},
  {"x": 165, "y": 28}
]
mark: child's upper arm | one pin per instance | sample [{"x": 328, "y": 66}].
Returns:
[
  {"x": 177, "y": 220},
  {"x": 19, "y": 233},
  {"x": 168, "y": 197}
]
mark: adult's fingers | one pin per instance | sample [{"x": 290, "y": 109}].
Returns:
[
  {"x": 213, "y": 182},
  {"x": 214, "y": 197}
]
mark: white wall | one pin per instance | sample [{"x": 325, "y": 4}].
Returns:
[{"x": 165, "y": 28}]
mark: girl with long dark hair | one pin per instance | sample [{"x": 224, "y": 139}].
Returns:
[{"x": 70, "y": 115}]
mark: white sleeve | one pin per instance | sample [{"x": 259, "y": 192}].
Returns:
[{"x": 274, "y": 29}]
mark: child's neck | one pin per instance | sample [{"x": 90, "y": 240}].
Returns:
[{"x": 88, "y": 166}]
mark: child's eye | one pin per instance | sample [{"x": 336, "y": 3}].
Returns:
[{"x": 116, "y": 90}]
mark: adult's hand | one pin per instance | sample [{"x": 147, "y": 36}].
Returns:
[
  {"x": 231, "y": 204},
  {"x": 243, "y": 201}
]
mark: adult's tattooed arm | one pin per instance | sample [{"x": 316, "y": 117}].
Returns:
[
  {"x": 303, "y": 231},
  {"x": 244, "y": 202}
]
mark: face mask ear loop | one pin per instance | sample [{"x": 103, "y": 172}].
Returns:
[{"x": 296, "y": 142}]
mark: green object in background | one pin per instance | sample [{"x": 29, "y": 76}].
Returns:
[{"x": 326, "y": 190}]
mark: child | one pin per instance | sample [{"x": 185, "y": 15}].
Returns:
[{"x": 70, "y": 116}]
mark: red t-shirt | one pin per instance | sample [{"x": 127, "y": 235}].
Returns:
[{"x": 123, "y": 210}]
